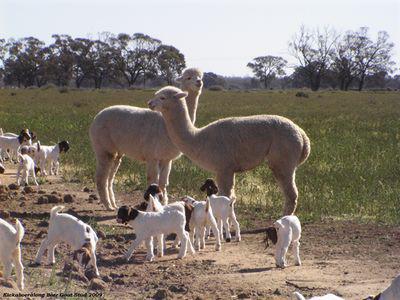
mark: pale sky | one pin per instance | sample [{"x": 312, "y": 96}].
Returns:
[{"x": 219, "y": 36}]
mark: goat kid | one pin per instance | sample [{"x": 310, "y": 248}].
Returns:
[
  {"x": 13, "y": 143},
  {"x": 10, "y": 250},
  {"x": 148, "y": 224},
  {"x": 77, "y": 234},
  {"x": 285, "y": 231},
  {"x": 223, "y": 210},
  {"x": 326, "y": 297},
  {"x": 26, "y": 165},
  {"x": 49, "y": 155}
]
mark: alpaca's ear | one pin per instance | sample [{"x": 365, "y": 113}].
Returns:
[{"x": 181, "y": 95}]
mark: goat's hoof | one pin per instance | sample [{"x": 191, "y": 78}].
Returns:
[
  {"x": 218, "y": 248},
  {"x": 238, "y": 239},
  {"x": 298, "y": 264},
  {"x": 228, "y": 240}
]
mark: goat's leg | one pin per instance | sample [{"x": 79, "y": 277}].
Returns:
[
  {"x": 213, "y": 224},
  {"x": 19, "y": 268},
  {"x": 150, "y": 249},
  {"x": 132, "y": 248},
  {"x": 104, "y": 163},
  {"x": 296, "y": 252},
  {"x": 116, "y": 162},
  {"x": 165, "y": 169},
  {"x": 236, "y": 225},
  {"x": 43, "y": 247}
]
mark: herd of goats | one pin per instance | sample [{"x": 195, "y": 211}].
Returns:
[{"x": 157, "y": 136}]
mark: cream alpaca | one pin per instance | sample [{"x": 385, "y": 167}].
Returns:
[
  {"x": 140, "y": 134},
  {"x": 10, "y": 250},
  {"x": 232, "y": 145}
]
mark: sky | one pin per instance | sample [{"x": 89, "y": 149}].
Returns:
[{"x": 219, "y": 36}]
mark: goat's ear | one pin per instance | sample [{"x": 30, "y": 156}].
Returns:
[
  {"x": 180, "y": 95},
  {"x": 38, "y": 146},
  {"x": 189, "y": 206}
]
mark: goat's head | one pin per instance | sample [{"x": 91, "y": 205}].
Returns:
[
  {"x": 63, "y": 146},
  {"x": 210, "y": 187},
  {"x": 153, "y": 190},
  {"x": 126, "y": 214},
  {"x": 271, "y": 234}
]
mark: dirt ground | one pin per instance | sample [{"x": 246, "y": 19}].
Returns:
[{"x": 346, "y": 258}]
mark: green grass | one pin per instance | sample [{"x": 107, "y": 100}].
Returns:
[{"x": 353, "y": 170}]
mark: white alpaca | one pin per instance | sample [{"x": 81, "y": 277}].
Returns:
[
  {"x": 148, "y": 224},
  {"x": 77, "y": 234},
  {"x": 202, "y": 216},
  {"x": 26, "y": 166},
  {"x": 286, "y": 231},
  {"x": 10, "y": 250},
  {"x": 140, "y": 134},
  {"x": 237, "y": 144},
  {"x": 223, "y": 210},
  {"x": 326, "y": 297}
]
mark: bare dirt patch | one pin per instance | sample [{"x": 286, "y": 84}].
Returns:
[{"x": 342, "y": 257}]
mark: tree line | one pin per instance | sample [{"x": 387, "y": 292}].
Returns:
[
  {"x": 325, "y": 58},
  {"x": 122, "y": 60}
]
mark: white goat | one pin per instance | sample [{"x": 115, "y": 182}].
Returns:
[
  {"x": 285, "y": 231},
  {"x": 223, "y": 210},
  {"x": 148, "y": 224},
  {"x": 392, "y": 292},
  {"x": 13, "y": 143},
  {"x": 26, "y": 165},
  {"x": 10, "y": 250},
  {"x": 77, "y": 234},
  {"x": 202, "y": 216},
  {"x": 49, "y": 155},
  {"x": 326, "y": 297}
]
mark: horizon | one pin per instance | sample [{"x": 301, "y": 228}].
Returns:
[{"x": 224, "y": 50}]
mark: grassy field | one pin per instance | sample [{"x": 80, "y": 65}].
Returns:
[{"x": 353, "y": 170}]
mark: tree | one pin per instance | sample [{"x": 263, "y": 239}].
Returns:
[
  {"x": 135, "y": 56},
  {"x": 61, "y": 59},
  {"x": 266, "y": 68},
  {"x": 170, "y": 61},
  {"x": 314, "y": 52}
]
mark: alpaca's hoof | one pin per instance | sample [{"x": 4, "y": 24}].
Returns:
[
  {"x": 298, "y": 263},
  {"x": 149, "y": 258},
  {"x": 281, "y": 266},
  {"x": 218, "y": 248},
  {"x": 228, "y": 240},
  {"x": 238, "y": 239},
  {"x": 181, "y": 256}
]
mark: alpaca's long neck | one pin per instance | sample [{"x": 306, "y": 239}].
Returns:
[
  {"x": 191, "y": 100},
  {"x": 180, "y": 128}
]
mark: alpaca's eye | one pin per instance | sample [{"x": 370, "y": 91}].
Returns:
[
  {"x": 189, "y": 78},
  {"x": 162, "y": 98}
]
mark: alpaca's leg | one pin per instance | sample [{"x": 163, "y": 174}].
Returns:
[
  {"x": 152, "y": 171},
  {"x": 236, "y": 225},
  {"x": 104, "y": 163},
  {"x": 296, "y": 252},
  {"x": 19, "y": 268},
  {"x": 226, "y": 184},
  {"x": 165, "y": 169},
  {"x": 116, "y": 162},
  {"x": 286, "y": 181},
  {"x": 227, "y": 230}
]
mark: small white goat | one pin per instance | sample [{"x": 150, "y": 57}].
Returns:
[
  {"x": 26, "y": 165},
  {"x": 10, "y": 250},
  {"x": 49, "y": 155},
  {"x": 285, "y": 231},
  {"x": 326, "y": 297},
  {"x": 223, "y": 210},
  {"x": 77, "y": 234},
  {"x": 148, "y": 224},
  {"x": 12, "y": 143},
  {"x": 392, "y": 292},
  {"x": 202, "y": 216}
]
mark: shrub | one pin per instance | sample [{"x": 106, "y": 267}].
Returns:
[
  {"x": 216, "y": 88},
  {"x": 302, "y": 94}
]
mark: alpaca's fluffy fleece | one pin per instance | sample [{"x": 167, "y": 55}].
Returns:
[
  {"x": 326, "y": 297},
  {"x": 286, "y": 231},
  {"x": 26, "y": 166},
  {"x": 232, "y": 145},
  {"x": 140, "y": 134},
  {"x": 223, "y": 210},
  {"x": 202, "y": 216},
  {"x": 148, "y": 224},
  {"x": 10, "y": 250},
  {"x": 77, "y": 234}
]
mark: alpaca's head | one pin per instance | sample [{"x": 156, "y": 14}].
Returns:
[
  {"x": 191, "y": 80},
  {"x": 166, "y": 98}
]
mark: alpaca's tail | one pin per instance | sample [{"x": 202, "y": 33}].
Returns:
[
  {"x": 55, "y": 210},
  {"x": 299, "y": 296},
  {"x": 20, "y": 231},
  {"x": 306, "y": 148}
]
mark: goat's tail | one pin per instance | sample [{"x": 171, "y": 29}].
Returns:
[
  {"x": 306, "y": 148},
  {"x": 20, "y": 231},
  {"x": 299, "y": 296},
  {"x": 55, "y": 210}
]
